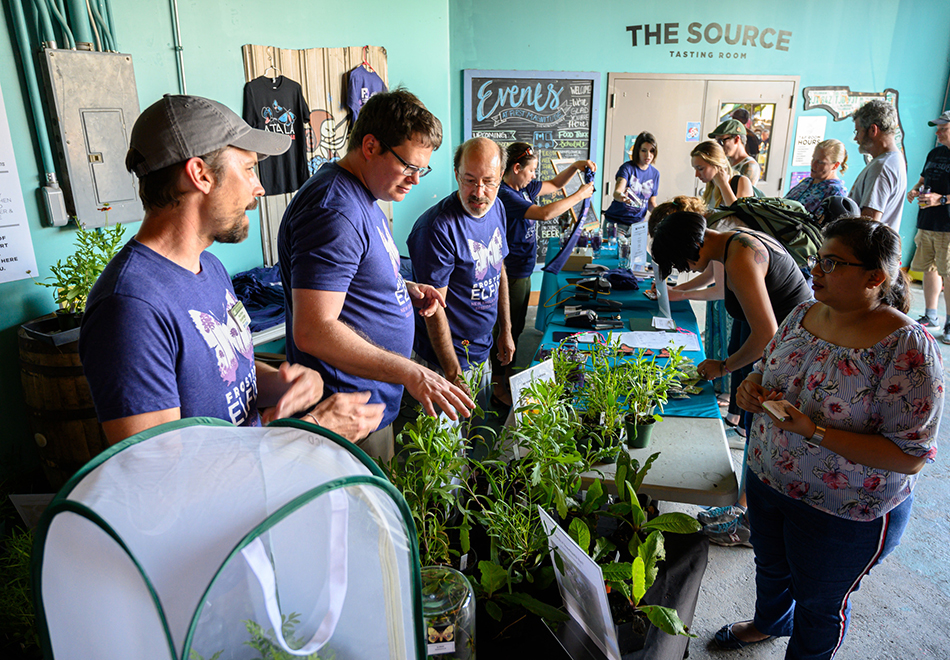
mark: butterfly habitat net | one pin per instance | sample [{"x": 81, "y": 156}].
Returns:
[{"x": 198, "y": 540}]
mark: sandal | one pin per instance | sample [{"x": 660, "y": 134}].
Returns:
[{"x": 727, "y": 641}]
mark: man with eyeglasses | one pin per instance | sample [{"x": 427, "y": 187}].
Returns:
[
  {"x": 459, "y": 247},
  {"x": 880, "y": 187},
  {"x": 349, "y": 311},
  {"x": 731, "y": 136}
]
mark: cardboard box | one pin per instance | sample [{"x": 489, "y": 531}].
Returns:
[{"x": 579, "y": 257}]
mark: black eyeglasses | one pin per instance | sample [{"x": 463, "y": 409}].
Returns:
[
  {"x": 409, "y": 169},
  {"x": 827, "y": 263}
]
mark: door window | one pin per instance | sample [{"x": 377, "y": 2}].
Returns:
[{"x": 761, "y": 116}]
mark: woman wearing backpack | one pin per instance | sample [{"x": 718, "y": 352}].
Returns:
[
  {"x": 829, "y": 158},
  {"x": 761, "y": 284}
]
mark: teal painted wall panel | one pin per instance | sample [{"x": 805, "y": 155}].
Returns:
[
  {"x": 868, "y": 46},
  {"x": 212, "y": 33}
]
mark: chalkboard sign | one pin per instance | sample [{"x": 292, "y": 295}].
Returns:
[{"x": 557, "y": 112}]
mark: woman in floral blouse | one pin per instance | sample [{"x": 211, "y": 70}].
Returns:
[{"x": 857, "y": 392}]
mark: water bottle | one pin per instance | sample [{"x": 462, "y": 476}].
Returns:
[{"x": 623, "y": 251}]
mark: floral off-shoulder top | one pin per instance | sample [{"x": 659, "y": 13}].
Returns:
[{"x": 894, "y": 388}]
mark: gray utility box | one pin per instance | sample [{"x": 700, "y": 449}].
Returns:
[{"x": 94, "y": 104}]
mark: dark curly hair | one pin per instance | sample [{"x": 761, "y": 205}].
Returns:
[{"x": 677, "y": 240}]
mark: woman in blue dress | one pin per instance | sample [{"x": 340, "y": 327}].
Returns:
[
  {"x": 636, "y": 185},
  {"x": 519, "y": 192}
]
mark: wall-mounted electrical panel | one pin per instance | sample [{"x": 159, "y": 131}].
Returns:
[{"x": 94, "y": 105}]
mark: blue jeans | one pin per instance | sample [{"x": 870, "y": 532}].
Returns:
[{"x": 807, "y": 563}]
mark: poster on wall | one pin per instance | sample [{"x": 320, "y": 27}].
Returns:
[
  {"x": 17, "y": 260},
  {"x": 557, "y": 112},
  {"x": 693, "y": 131},
  {"x": 809, "y": 132}
]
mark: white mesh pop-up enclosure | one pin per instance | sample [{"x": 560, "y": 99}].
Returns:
[{"x": 198, "y": 541}]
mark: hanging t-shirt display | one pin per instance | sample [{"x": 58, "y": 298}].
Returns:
[
  {"x": 361, "y": 84},
  {"x": 277, "y": 105}
]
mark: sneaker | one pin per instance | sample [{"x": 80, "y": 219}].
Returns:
[
  {"x": 733, "y": 532},
  {"x": 946, "y": 334},
  {"x": 928, "y": 321},
  {"x": 720, "y": 514}
]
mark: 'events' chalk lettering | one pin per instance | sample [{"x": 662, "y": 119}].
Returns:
[{"x": 514, "y": 96}]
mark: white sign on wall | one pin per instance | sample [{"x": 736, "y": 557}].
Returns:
[
  {"x": 16, "y": 245},
  {"x": 810, "y": 131}
]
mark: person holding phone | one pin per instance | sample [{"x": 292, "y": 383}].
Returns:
[{"x": 858, "y": 388}]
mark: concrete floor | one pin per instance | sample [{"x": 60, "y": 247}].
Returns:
[{"x": 900, "y": 612}]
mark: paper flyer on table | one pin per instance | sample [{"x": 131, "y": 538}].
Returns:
[
  {"x": 582, "y": 587},
  {"x": 659, "y": 339}
]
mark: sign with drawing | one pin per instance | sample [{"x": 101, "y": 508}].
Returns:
[{"x": 556, "y": 112}]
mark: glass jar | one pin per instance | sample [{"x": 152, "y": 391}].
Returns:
[{"x": 448, "y": 606}]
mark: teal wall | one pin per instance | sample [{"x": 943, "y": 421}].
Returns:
[
  {"x": 867, "y": 45},
  {"x": 212, "y": 33}
]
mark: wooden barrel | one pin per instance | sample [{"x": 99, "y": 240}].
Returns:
[{"x": 59, "y": 405}]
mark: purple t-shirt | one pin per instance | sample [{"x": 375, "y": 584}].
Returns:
[
  {"x": 450, "y": 248},
  {"x": 642, "y": 185},
  {"x": 157, "y": 336},
  {"x": 334, "y": 237},
  {"x": 522, "y": 233}
]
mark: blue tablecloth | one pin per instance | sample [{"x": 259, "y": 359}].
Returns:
[{"x": 550, "y": 320}]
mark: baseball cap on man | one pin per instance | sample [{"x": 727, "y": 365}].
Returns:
[
  {"x": 941, "y": 120},
  {"x": 178, "y": 127},
  {"x": 835, "y": 207},
  {"x": 728, "y": 127}
]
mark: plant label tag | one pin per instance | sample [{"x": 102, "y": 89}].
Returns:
[{"x": 240, "y": 316}]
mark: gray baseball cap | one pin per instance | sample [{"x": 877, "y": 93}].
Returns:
[
  {"x": 941, "y": 120},
  {"x": 177, "y": 128}
]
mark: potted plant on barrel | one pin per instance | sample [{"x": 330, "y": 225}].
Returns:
[{"x": 72, "y": 279}]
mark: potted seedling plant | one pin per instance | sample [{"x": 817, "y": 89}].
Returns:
[
  {"x": 647, "y": 384},
  {"x": 72, "y": 279}
]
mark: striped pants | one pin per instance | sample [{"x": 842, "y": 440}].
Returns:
[{"x": 808, "y": 563}]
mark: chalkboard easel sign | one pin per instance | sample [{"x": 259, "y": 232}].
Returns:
[{"x": 557, "y": 112}]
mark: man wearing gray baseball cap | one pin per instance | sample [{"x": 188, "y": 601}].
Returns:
[{"x": 164, "y": 337}]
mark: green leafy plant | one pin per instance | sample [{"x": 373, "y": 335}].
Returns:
[
  {"x": 645, "y": 545},
  {"x": 630, "y": 513},
  {"x": 17, "y": 618},
  {"x": 265, "y": 642},
  {"x": 72, "y": 280},
  {"x": 646, "y": 383},
  {"x": 429, "y": 472}
]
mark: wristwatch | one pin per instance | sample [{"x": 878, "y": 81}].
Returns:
[
  {"x": 943, "y": 199},
  {"x": 817, "y": 437}
]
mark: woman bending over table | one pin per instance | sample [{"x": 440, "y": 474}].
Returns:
[
  {"x": 518, "y": 192},
  {"x": 858, "y": 387}
]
